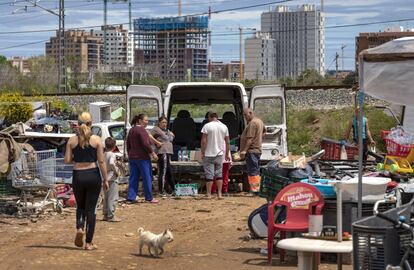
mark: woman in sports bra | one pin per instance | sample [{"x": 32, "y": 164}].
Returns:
[{"x": 85, "y": 151}]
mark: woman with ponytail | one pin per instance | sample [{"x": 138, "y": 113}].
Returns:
[{"x": 85, "y": 151}]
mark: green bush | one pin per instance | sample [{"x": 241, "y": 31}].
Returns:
[{"x": 14, "y": 108}]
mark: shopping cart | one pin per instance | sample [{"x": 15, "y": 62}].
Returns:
[{"x": 34, "y": 172}]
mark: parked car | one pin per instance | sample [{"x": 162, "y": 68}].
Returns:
[{"x": 115, "y": 130}]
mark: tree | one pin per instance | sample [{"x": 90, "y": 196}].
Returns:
[
  {"x": 3, "y": 61},
  {"x": 43, "y": 75}
]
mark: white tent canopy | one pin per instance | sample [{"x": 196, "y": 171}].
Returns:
[{"x": 388, "y": 71}]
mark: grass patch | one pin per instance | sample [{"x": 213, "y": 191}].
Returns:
[{"x": 307, "y": 127}]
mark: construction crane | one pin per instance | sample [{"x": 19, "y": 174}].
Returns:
[{"x": 241, "y": 72}]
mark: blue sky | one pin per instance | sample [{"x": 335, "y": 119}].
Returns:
[{"x": 81, "y": 13}]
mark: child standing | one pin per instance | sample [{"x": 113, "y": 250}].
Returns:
[{"x": 111, "y": 195}]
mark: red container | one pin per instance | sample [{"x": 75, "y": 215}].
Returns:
[
  {"x": 333, "y": 150},
  {"x": 395, "y": 149},
  {"x": 384, "y": 134}
]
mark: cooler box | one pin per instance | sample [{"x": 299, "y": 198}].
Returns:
[{"x": 324, "y": 186}]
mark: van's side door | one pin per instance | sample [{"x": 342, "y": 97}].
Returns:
[
  {"x": 144, "y": 99},
  {"x": 268, "y": 103}
]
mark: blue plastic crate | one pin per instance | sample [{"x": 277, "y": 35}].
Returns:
[{"x": 324, "y": 186}]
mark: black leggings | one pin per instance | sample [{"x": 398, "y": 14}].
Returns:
[
  {"x": 86, "y": 187},
  {"x": 164, "y": 172}
]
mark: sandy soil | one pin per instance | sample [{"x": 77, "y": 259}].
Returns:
[{"x": 209, "y": 234}]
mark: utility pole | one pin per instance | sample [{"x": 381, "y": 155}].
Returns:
[
  {"x": 336, "y": 65},
  {"x": 105, "y": 31},
  {"x": 342, "y": 56},
  {"x": 62, "y": 78},
  {"x": 130, "y": 14},
  {"x": 180, "y": 8},
  {"x": 241, "y": 54}
]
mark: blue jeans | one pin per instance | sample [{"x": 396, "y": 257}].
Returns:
[
  {"x": 253, "y": 164},
  {"x": 140, "y": 168}
]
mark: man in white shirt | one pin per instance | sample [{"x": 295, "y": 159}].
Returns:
[{"x": 214, "y": 134}]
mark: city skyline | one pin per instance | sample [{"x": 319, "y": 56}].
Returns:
[{"x": 224, "y": 26}]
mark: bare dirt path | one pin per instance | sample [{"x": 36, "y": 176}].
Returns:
[{"x": 209, "y": 234}]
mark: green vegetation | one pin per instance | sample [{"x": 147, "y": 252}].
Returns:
[
  {"x": 312, "y": 77},
  {"x": 13, "y": 108},
  {"x": 307, "y": 127}
]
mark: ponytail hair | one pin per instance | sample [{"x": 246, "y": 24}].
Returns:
[{"x": 85, "y": 133}]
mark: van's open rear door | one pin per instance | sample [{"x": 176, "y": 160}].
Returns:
[
  {"x": 268, "y": 103},
  {"x": 144, "y": 99}
]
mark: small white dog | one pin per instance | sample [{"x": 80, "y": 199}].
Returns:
[{"x": 154, "y": 241}]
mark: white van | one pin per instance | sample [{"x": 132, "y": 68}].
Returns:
[{"x": 185, "y": 105}]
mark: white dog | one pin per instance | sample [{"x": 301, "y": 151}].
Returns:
[{"x": 154, "y": 241}]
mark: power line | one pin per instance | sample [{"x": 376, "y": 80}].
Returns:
[{"x": 114, "y": 24}]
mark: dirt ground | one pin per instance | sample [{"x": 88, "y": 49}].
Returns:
[{"x": 209, "y": 234}]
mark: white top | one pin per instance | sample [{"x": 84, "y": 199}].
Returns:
[
  {"x": 315, "y": 245},
  {"x": 110, "y": 159},
  {"x": 216, "y": 132}
]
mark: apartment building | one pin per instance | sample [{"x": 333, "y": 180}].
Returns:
[
  {"x": 260, "y": 57},
  {"x": 176, "y": 47},
  {"x": 119, "y": 46},
  {"x": 300, "y": 38},
  {"x": 83, "y": 51}
]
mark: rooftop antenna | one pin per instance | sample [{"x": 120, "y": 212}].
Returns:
[{"x": 179, "y": 8}]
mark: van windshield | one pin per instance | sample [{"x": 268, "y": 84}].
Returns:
[{"x": 199, "y": 111}]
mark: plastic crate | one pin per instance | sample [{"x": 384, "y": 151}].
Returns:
[
  {"x": 384, "y": 134},
  {"x": 349, "y": 212},
  {"x": 271, "y": 184},
  {"x": 333, "y": 150},
  {"x": 396, "y": 149},
  {"x": 376, "y": 243},
  {"x": 6, "y": 188}
]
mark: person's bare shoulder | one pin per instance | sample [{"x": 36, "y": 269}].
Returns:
[{"x": 73, "y": 140}]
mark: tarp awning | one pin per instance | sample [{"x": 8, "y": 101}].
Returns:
[{"x": 388, "y": 71}]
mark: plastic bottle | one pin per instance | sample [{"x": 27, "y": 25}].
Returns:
[{"x": 180, "y": 155}]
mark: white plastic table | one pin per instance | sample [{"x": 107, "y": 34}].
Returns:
[{"x": 307, "y": 248}]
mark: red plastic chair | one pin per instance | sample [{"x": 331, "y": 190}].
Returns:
[{"x": 299, "y": 200}]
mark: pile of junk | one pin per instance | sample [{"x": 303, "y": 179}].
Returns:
[{"x": 384, "y": 176}]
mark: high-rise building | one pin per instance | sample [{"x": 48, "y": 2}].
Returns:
[
  {"x": 260, "y": 57},
  {"x": 119, "y": 46},
  {"x": 83, "y": 51},
  {"x": 300, "y": 39},
  {"x": 174, "y": 46},
  {"x": 370, "y": 40}
]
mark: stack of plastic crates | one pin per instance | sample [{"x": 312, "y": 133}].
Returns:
[
  {"x": 377, "y": 243},
  {"x": 271, "y": 184},
  {"x": 34, "y": 171}
]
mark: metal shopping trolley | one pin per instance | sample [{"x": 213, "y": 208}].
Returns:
[{"x": 34, "y": 172}]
